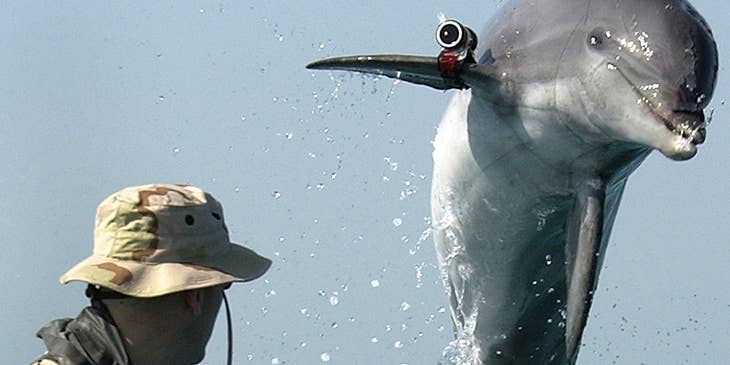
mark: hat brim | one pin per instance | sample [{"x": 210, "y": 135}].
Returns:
[{"x": 146, "y": 279}]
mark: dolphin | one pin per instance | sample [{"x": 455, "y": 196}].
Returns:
[{"x": 557, "y": 103}]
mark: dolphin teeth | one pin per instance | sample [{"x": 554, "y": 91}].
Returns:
[
  {"x": 695, "y": 134},
  {"x": 700, "y": 136},
  {"x": 689, "y": 126}
]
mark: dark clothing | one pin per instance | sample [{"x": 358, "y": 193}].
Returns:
[{"x": 89, "y": 339}]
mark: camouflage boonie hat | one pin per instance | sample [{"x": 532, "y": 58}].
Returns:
[{"x": 154, "y": 240}]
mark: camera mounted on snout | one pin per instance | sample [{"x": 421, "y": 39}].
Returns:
[{"x": 458, "y": 43}]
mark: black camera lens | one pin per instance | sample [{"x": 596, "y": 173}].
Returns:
[{"x": 449, "y": 34}]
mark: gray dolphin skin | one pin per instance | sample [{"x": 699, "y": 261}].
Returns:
[{"x": 562, "y": 101}]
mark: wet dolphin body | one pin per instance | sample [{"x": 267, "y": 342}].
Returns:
[{"x": 567, "y": 98}]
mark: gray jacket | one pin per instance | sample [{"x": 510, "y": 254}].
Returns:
[{"x": 89, "y": 339}]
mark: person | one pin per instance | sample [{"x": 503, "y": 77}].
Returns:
[{"x": 161, "y": 261}]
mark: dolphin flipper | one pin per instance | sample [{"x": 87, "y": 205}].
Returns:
[{"x": 584, "y": 232}]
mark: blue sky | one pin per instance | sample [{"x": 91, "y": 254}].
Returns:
[{"x": 326, "y": 173}]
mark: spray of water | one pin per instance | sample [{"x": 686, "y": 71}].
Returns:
[{"x": 462, "y": 350}]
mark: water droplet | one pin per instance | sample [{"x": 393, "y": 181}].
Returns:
[
  {"x": 397, "y": 222},
  {"x": 405, "y": 306},
  {"x": 398, "y": 344},
  {"x": 275, "y": 361},
  {"x": 374, "y": 283},
  {"x": 548, "y": 260},
  {"x": 276, "y": 194},
  {"x": 325, "y": 357},
  {"x": 334, "y": 300},
  {"x": 176, "y": 150},
  {"x": 374, "y": 340}
]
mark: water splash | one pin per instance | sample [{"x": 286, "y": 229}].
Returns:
[{"x": 463, "y": 349}]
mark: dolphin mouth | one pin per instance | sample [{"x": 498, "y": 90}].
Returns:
[{"x": 689, "y": 125}]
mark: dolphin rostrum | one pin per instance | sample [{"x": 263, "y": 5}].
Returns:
[{"x": 560, "y": 101}]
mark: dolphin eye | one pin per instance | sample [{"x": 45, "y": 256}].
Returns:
[
  {"x": 594, "y": 40},
  {"x": 598, "y": 37},
  {"x": 450, "y": 34}
]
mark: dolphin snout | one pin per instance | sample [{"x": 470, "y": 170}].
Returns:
[{"x": 690, "y": 125}]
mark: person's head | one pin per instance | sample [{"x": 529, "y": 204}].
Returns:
[
  {"x": 180, "y": 323},
  {"x": 162, "y": 258}
]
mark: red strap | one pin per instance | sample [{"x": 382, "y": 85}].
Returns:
[{"x": 447, "y": 64}]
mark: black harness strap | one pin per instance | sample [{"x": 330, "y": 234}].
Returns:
[{"x": 230, "y": 330}]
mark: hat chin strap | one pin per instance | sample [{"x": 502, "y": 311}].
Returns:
[{"x": 230, "y": 331}]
